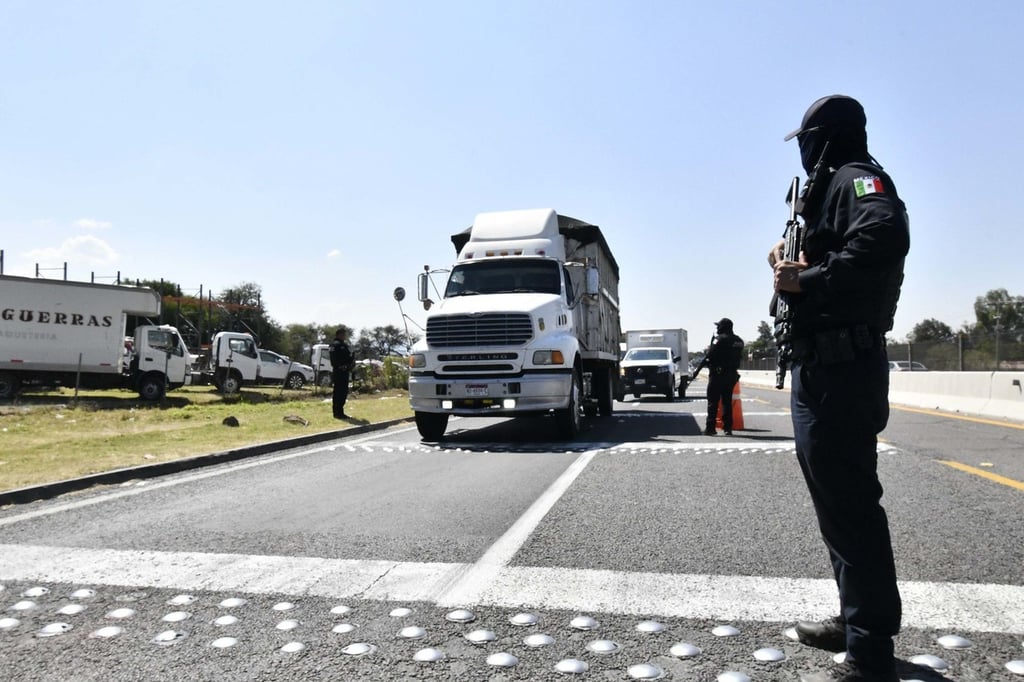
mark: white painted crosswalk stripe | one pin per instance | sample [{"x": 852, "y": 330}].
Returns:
[{"x": 960, "y": 606}]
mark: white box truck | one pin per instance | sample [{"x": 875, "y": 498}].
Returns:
[
  {"x": 234, "y": 361},
  {"x": 528, "y": 323},
  {"x": 655, "y": 362},
  {"x": 322, "y": 368},
  {"x": 61, "y": 333}
]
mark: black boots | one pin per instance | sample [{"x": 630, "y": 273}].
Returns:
[{"x": 829, "y": 634}]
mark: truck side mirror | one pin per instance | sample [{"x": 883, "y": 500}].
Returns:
[
  {"x": 423, "y": 290},
  {"x": 423, "y": 287}
]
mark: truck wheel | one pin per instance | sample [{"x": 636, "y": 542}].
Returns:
[
  {"x": 568, "y": 420},
  {"x": 151, "y": 387},
  {"x": 9, "y": 385},
  {"x": 670, "y": 392},
  {"x": 232, "y": 383},
  {"x": 431, "y": 425},
  {"x": 295, "y": 381},
  {"x": 605, "y": 393},
  {"x": 637, "y": 396},
  {"x": 682, "y": 387}
]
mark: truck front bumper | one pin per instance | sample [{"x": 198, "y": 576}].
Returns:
[
  {"x": 526, "y": 393},
  {"x": 651, "y": 383}
]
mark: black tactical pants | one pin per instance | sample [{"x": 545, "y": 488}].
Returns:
[
  {"x": 838, "y": 411},
  {"x": 340, "y": 394},
  {"x": 720, "y": 387}
]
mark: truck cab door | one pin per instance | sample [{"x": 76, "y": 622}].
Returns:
[{"x": 245, "y": 358}]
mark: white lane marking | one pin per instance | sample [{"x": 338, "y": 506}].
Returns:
[
  {"x": 467, "y": 586},
  {"x": 963, "y": 607},
  {"x": 227, "y": 467},
  {"x": 929, "y": 605},
  {"x": 256, "y": 574}
]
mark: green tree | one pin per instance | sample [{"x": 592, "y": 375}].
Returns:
[
  {"x": 247, "y": 294},
  {"x": 764, "y": 345},
  {"x": 385, "y": 339},
  {"x": 364, "y": 347},
  {"x": 930, "y": 330},
  {"x": 998, "y": 309}
]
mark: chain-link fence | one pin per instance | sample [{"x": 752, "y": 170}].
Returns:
[{"x": 975, "y": 352}]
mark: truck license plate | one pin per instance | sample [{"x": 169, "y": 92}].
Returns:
[
  {"x": 476, "y": 390},
  {"x": 640, "y": 382}
]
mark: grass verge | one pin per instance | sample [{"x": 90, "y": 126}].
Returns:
[{"x": 53, "y": 436}]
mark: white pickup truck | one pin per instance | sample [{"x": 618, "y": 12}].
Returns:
[
  {"x": 654, "y": 363},
  {"x": 277, "y": 369}
]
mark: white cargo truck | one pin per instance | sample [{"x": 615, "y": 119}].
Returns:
[
  {"x": 655, "y": 362},
  {"x": 234, "y": 361},
  {"x": 61, "y": 333},
  {"x": 322, "y": 368},
  {"x": 528, "y": 323}
]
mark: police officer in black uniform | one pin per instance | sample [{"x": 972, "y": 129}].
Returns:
[
  {"x": 723, "y": 362},
  {"x": 341, "y": 366},
  {"x": 843, "y": 293}
]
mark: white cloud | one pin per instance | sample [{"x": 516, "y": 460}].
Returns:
[
  {"x": 333, "y": 253},
  {"x": 92, "y": 224},
  {"x": 83, "y": 250}
]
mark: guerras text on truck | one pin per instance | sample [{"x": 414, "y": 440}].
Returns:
[
  {"x": 528, "y": 323},
  {"x": 61, "y": 333}
]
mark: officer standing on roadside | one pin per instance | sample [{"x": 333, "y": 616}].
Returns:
[
  {"x": 341, "y": 366},
  {"x": 843, "y": 292},
  {"x": 723, "y": 362}
]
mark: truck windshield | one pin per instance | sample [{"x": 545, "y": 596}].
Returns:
[
  {"x": 164, "y": 340},
  {"x": 505, "y": 276},
  {"x": 647, "y": 354}
]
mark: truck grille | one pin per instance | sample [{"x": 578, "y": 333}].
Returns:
[{"x": 491, "y": 329}]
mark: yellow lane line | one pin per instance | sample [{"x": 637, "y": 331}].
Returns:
[
  {"x": 951, "y": 415},
  {"x": 984, "y": 474}
]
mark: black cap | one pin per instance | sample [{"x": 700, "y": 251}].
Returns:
[
  {"x": 340, "y": 332},
  {"x": 724, "y": 322},
  {"x": 834, "y": 111}
]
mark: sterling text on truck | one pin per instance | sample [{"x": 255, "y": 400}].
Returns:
[
  {"x": 528, "y": 323},
  {"x": 55, "y": 332}
]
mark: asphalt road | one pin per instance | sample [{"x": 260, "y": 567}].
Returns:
[{"x": 351, "y": 559}]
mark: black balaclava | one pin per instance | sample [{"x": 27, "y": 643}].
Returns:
[{"x": 837, "y": 121}]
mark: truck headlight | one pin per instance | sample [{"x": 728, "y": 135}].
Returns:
[
  {"x": 417, "y": 360},
  {"x": 548, "y": 357},
  {"x": 664, "y": 369}
]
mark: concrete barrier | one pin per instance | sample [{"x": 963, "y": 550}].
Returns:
[{"x": 984, "y": 394}]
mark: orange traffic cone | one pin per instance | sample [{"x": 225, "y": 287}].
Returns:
[{"x": 737, "y": 410}]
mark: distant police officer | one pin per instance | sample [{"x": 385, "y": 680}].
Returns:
[
  {"x": 843, "y": 293},
  {"x": 723, "y": 362},
  {"x": 341, "y": 366}
]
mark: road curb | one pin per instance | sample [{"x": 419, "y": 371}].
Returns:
[{"x": 46, "y": 491}]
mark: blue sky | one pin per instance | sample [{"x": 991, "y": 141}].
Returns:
[{"x": 327, "y": 150}]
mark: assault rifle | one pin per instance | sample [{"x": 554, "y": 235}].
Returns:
[
  {"x": 704, "y": 360},
  {"x": 793, "y": 242}
]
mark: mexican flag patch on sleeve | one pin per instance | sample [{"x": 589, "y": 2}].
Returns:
[{"x": 868, "y": 184}]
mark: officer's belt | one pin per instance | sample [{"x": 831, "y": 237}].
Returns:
[{"x": 832, "y": 346}]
